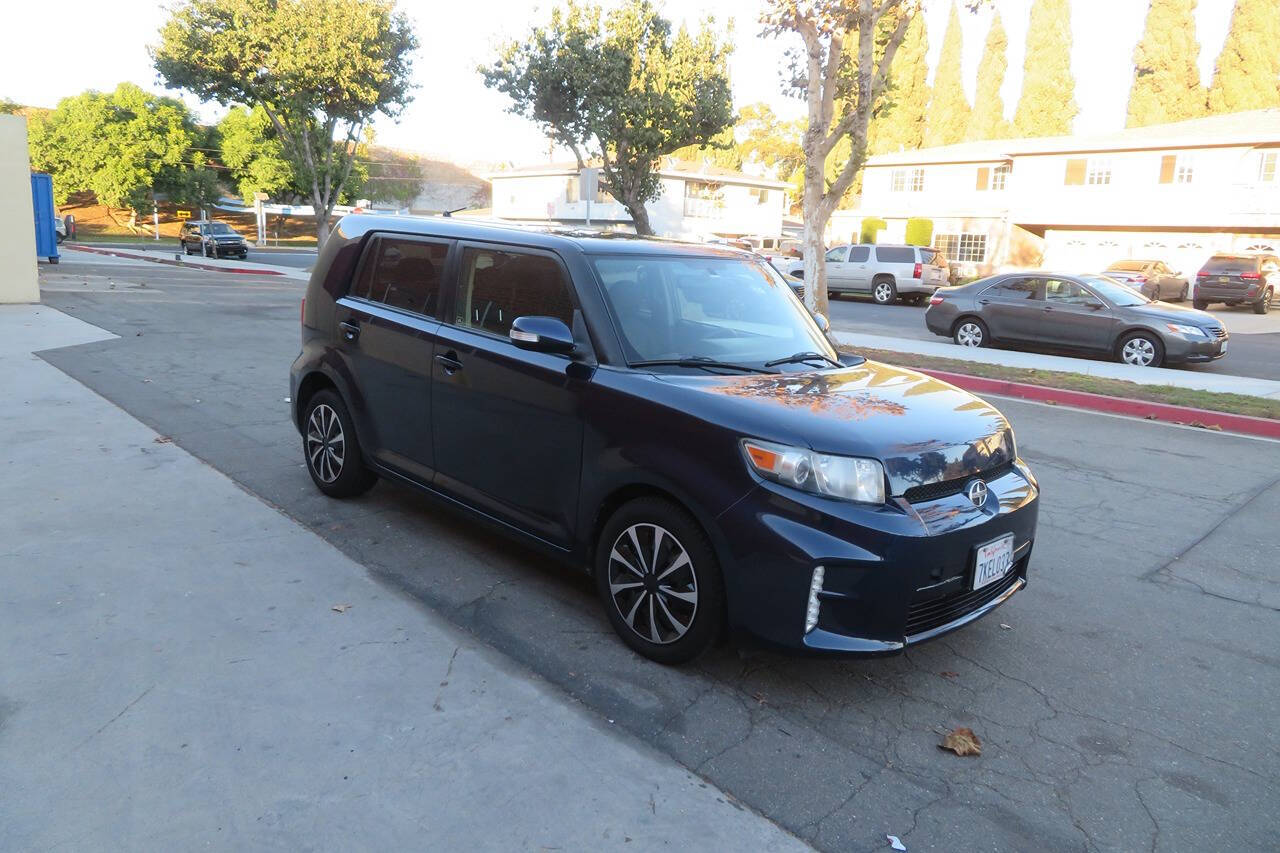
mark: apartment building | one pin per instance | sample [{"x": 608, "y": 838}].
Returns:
[
  {"x": 695, "y": 202},
  {"x": 1177, "y": 192}
]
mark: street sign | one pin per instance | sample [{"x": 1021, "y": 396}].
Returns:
[
  {"x": 588, "y": 180},
  {"x": 183, "y": 214}
]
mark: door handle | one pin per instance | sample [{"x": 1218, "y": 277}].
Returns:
[
  {"x": 449, "y": 362},
  {"x": 350, "y": 331},
  {"x": 984, "y": 301}
]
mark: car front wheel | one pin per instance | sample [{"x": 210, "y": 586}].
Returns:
[
  {"x": 1141, "y": 349},
  {"x": 971, "y": 333},
  {"x": 332, "y": 450},
  {"x": 659, "y": 581}
]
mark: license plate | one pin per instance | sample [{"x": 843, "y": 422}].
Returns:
[
  {"x": 1223, "y": 347},
  {"x": 1222, "y": 279},
  {"x": 993, "y": 561}
]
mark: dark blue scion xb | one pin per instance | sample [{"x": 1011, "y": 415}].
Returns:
[{"x": 669, "y": 418}]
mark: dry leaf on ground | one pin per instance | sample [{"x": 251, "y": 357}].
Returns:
[
  {"x": 962, "y": 741},
  {"x": 340, "y": 608}
]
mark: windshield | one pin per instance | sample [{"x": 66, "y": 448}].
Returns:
[
  {"x": 1128, "y": 266},
  {"x": 218, "y": 228},
  {"x": 1114, "y": 292},
  {"x": 726, "y": 309}
]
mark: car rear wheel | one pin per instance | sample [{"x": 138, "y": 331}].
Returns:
[
  {"x": 971, "y": 332},
  {"x": 1141, "y": 349},
  {"x": 1199, "y": 304},
  {"x": 332, "y": 450},
  {"x": 1263, "y": 305},
  {"x": 884, "y": 291},
  {"x": 1182, "y": 294},
  {"x": 659, "y": 581}
]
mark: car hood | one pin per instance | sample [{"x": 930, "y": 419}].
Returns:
[
  {"x": 921, "y": 428},
  {"x": 1166, "y": 312}
]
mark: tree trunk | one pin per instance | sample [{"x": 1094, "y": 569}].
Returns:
[
  {"x": 322, "y": 230},
  {"x": 639, "y": 217},
  {"x": 815, "y": 250}
]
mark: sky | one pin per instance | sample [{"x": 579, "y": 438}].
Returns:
[{"x": 99, "y": 44}]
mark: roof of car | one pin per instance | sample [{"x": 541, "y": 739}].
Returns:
[{"x": 590, "y": 242}]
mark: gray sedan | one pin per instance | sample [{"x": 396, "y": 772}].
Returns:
[{"x": 1084, "y": 313}]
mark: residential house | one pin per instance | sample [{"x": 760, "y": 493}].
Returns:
[{"x": 1177, "y": 192}]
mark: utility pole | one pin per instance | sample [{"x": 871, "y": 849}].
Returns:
[{"x": 155, "y": 213}]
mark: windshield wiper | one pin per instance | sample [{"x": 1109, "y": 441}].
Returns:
[
  {"x": 802, "y": 357},
  {"x": 697, "y": 361}
]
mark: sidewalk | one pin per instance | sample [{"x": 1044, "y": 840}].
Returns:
[
  {"x": 1221, "y": 383},
  {"x": 169, "y": 255},
  {"x": 174, "y": 674}
]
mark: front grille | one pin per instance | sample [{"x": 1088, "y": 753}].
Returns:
[
  {"x": 936, "y": 612},
  {"x": 947, "y": 488},
  {"x": 1217, "y": 332}
]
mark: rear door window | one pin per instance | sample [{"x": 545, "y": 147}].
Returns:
[
  {"x": 895, "y": 254},
  {"x": 403, "y": 273},
  {"x": 1015, "y": 288},
  {"x": 497, "y": 286},
  {"x": 859, "y": 254}
]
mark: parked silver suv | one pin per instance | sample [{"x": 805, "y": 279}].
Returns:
[{"x": 886, "y": 271}]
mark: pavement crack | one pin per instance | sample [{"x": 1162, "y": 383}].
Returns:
[
  {"x": 123, "y": 711},
  {"x": 445, "y": 681}
]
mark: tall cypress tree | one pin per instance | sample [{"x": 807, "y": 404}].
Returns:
[
  {"x": 1047, "y": 105},
  {"x": 1247, "y": 75},
  {"x": 898, "y": 123},
  {"x": 1166, "y": 81},
  {"x": 948, "y": 118},
  {"x": 988, "y": 121}
]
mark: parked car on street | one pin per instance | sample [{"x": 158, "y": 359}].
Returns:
[
  {"x": 1089, "y": 314},
  {"x": 213, "y": 239},
  {"x": 1153, "y": 279},
  {"x": 60, "y": 228},
  {"x": 669, "y": 418},
  {"x": 1237, "y": 280},
  {"x": 887, "y": 272}
]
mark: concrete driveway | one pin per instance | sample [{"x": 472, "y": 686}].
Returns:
[{"x": 1124, "y": 699}]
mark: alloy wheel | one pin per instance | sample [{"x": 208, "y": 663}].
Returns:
[
  {"x": 652, "y": 583},
  {"x": 884, "y": 293},
  {"x": 969, "y": 335},
  {"x": 1138, "y": 351},
  {"x": 326, "y": 444}
]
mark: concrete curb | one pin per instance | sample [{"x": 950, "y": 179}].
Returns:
[
  {"x": 1246, "y": 424},
  {"x": 116, "y": 253}
]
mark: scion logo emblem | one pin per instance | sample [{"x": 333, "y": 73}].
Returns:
[{"x": 977, "y": 493}]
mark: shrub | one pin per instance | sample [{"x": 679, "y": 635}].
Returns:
[
  {"x": 919, "y": 231},
  {"x": 870, "y": 227}
]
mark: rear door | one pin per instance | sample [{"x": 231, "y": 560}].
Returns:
[
  {"x": 387, "y": 326},
  {"x": 507, "y": 423},
  {"x": 1012, "y": 308},
  {"x": 1073, "y": 317},
  {"x": 857, "y": 271}
]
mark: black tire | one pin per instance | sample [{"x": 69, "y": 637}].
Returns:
[
  {"x": 320, "y": 450},
  {"x": 699, "y": 576},
  {"x": 884, "y": 291},
  {"x": 1199, "y": 304},
  {"x": 1136, "y": 346},
  {"x": 971, "y": 332},
  {"x": 1182, "y": 294},
  {"x": 1263, "y": 305}
]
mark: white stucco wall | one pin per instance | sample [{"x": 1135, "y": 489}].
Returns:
[{"x": 17, "y": 219}]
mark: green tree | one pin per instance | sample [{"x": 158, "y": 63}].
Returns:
[
  {"x": 1247, "y": 74},
  {"x": 394, "y": 176},
  {"x": 8, "y": 107},
  {"x": 1166, "y": 81},
  {"x": 120, "y": 145},
  {"x": 849, "y": 46},
  {"x": 899, "y": 120},
  {"x": 947, "y": 121},
  {"x": 1047, "y": 106},
  {"x": 988, "y": 121},
  {"x": 321, "y": 70},
  {"x": 620, "y": 90},
  {"x": 870, "y": 229},
  {"x": 251, "y": 150},
  {"x": 919, "y": 231}
]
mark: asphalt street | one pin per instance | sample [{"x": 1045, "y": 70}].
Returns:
[
  {"x": 1255, "y": 340},
  {"x": 278, "y": 256},
  {"x": 1125, "y": 699}
]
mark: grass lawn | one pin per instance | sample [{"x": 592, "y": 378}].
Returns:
[{"x": 1236, "y": 404}]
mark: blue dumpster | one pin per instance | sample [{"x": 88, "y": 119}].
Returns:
[{"x": 46, "y": 231}]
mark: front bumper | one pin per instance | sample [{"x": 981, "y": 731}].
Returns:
[
  {"x": 893, "y": 575},
  {"x": 1183, "y": 350}
]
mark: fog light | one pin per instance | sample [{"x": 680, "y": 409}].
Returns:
[{"x": 815, "y": 587}]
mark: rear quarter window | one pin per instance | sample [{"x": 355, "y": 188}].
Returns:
[{"x": 895, "y": 254}]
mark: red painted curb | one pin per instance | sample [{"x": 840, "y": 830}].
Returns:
[
  {"x": 1266, "y": 427},
  {"x": 173, "y": 263}
]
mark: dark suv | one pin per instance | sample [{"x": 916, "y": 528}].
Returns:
[
  {"x": 212, "y": 239},
  {"x": 670, "y": 419},
  {"x": 1237, "y": 279}
]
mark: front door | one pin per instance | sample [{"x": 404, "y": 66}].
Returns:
[
  {"x": 1074, "y": 317},
  {"x": 837, "y": 268},
  {"x": 1012, "y": 308},
  {"x": 387, "y": 326},
  {"x": 507, "y": 423}
]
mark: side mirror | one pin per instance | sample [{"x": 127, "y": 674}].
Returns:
[
  {"x": 542, "y": 334},
  {"x": 1093, "y": 306},
  {"x": 824, "y": 325}
]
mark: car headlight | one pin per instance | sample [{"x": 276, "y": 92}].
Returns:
[
  {"x": 845, "y": 477},
  {"x": 1189, "y": 331}
]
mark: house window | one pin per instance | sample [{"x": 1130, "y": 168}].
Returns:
[
  {"x": 1267, "y": 166},
  {"x": 572, "y": 191},
  {"x": 1176, "y": 169},
  {"x": 963, "y": 248},
  {"x": 907, "y": 180},
  {"x": 759, "y": 195},
  {"x": 1098, "y": 173},
  {"x": 703, "y": 199},
  {"x": 1000, "y": 176}
]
